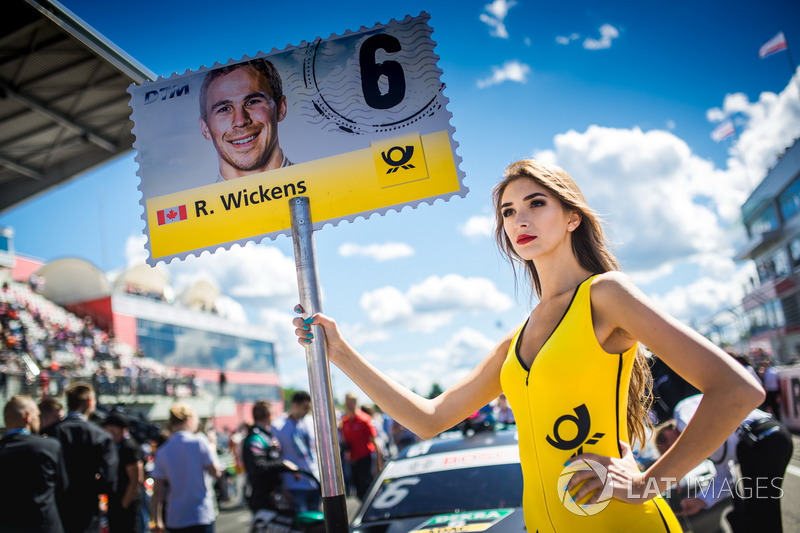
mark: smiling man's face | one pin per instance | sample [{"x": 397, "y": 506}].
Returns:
[{"x": 242, "y": 122}]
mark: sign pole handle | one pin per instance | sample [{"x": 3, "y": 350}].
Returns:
[{"x": 334, "y": 504}]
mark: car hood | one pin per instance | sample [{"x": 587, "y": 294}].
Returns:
[{"x": 491, "y": 520}]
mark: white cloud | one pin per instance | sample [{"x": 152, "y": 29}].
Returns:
[
  {"x": 385, "y": 305},
  {"x": 495, "y": 16},
  {"x": 378, "y": 252},
  {"x": 433, "y": 303},
  {"x": 566, "y": 39},
  {"x": 255, "y": 273},
  {"x": 607, "y": 34},
  {"x": 662, "y": 201},
  {"x": 510, "y": 71},
  {"x": 135, "y": 252},
  {"x": 465, "y": 349},
  {"x": 478, "y": 226},
  {"x": 443, "y": 364}
]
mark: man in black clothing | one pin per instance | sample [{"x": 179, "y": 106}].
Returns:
[
  {"x": 261, "y": 453},
  {"x": 91, "y": 460},
  {"x": 33, "y": 472},
  {"x": 125, "y": 503}
]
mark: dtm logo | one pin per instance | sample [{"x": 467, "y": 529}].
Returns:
[
  {"x": 405, "y": 157},
  {"x": 582, "y": 423},
  {"x": 605, "y": 493},
  {"x": 166, "y": 93}
]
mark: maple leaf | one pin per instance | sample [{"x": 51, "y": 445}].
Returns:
[{"x": 172, "y": 214}]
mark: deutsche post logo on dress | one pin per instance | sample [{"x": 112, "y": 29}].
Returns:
[{"x": 580, "y": 425}]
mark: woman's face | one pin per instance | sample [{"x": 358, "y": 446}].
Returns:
[{"x": 534, "y": 219}]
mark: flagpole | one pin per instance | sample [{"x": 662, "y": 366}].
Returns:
[{"x": 792, "y": 64}]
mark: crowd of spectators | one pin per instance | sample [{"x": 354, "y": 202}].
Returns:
[{"x": 49, "y": 347}]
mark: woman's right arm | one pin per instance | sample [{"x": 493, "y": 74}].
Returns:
[{"x": 425, "y": 417}]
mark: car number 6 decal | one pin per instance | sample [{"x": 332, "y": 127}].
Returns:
[{"x": 394, "y": 493}]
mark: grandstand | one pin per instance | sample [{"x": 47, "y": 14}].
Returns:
[{"x": 140, "y": 347}]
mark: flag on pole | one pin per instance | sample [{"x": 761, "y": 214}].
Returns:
[
  {"x": 172, "y": 214},
  {"x": 723, "y": 131},
  {"x": 773, "y": 46}
]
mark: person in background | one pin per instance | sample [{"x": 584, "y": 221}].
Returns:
[
  {"x": 263, "y": 463},
  {"x": 402, "y": 436},
  {"x": 125, "y": 503},
  {"x": 295, "y": 433},
  {"x": 763, "y": 448},
  {"x": 187, "y": 464},
  {"x": 502, "y": 411},
  {"x": 33, "y": 470},
  {"x": 51, "y": 412},
  {"x": 359, "y": 435},
  {"x": 91, "y": 459},
  {"x": 772, "y": 403}
]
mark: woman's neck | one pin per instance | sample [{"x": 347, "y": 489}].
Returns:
[{"x": 559, "y": 277}]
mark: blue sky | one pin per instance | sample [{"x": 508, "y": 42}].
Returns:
[{"x": 623, "y": 95}]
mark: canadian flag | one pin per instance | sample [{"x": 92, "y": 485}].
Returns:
[{"x": 172, "y": 214}]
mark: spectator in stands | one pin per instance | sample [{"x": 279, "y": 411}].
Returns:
[
  {"x": 33, "y": 472},
  {"x": 125, "y": 503},
  {"x": 91, "y": 460},
  {"x": 295, "y": 433},
  {"x": 51, "y": 413},
  {"x": 261, "y": 452},
  {"x": 188, "y": 465},
  {"x": 359, "y": 435}
]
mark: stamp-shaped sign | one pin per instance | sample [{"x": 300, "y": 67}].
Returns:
[{"x": 358, "y": 123}]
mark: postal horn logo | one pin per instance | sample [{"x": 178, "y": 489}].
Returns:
[
  {"x": 605, "y": 493},
  {"x": 579, "y": 425},
  {"x": 405, "y": 155}
]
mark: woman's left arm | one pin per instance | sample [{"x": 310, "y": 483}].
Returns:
[{"x": 729, "y": 392}]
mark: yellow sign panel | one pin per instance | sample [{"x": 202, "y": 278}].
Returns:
[{"x": 391, "y": 173}]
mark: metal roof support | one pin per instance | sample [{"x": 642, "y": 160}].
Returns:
[
  {"x": 22, "y": 169},
  {"x": 58, "y": 117}
]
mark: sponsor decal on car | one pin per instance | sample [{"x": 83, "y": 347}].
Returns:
[{"x": 470, "y": 521}]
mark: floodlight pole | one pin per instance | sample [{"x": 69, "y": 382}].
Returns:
[{"x": 334, "y": 504}]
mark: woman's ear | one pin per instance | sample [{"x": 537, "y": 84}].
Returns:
[{"x": 574, "y": 221}]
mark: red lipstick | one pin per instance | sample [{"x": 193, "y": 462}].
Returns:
[{"x": 524, "y": 239}]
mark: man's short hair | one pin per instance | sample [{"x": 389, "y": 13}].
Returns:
[
  {"x": 301, "y": 396},
  {"x": 16, "y": 408},
  {"x": 179, "y": 413},
  {"x": 660, "y": 432},
  {"x": 78, "y": 395},
  {"x": 262, "y": 65},
  {"x": 50, "y": 406},
  {"x": 261, "y": 411}
]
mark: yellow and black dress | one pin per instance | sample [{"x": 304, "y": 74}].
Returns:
[{"x": 574, "y": 400}]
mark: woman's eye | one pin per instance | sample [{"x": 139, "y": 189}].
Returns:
[
  {"x": 507, "y": 213},
  {"x": 537, "y": 203}
]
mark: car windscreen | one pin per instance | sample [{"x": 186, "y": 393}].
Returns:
[{"x": 448, "y": 491}]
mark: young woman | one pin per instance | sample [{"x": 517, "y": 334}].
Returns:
[{"x": 573, "y": 372}]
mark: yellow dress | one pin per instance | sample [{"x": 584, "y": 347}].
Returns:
[{"x": 574, "y": 400}]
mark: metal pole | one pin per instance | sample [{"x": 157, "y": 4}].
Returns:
[{"x": 334, "y": 504}]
